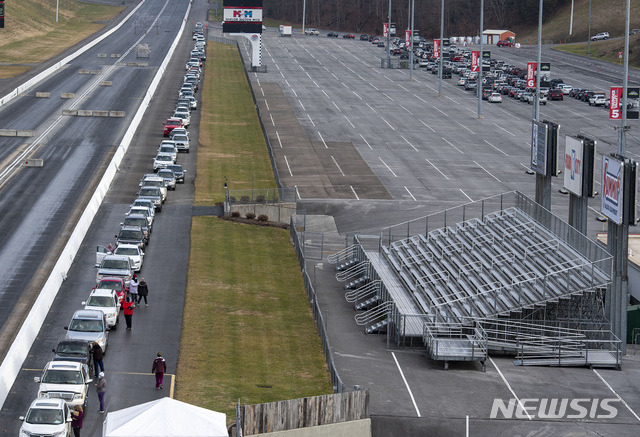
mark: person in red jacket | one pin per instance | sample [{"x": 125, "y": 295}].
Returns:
[
  {"x": 127, "y": 309},
  {"x": 159, "y": 368}
]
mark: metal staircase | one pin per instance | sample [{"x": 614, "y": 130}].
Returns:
[{"x": 375, "y": 319}]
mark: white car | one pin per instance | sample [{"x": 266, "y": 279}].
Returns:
[
  {"x": 598, "y": 99},
  {"x": 146, "y": 210},
  {"x": 566, "y": 89},
  {"x": 599, "y": 36},
  {"x": 311, "y": 32},
  {"x": 183, "y": 114},
  {"x": 66, "y": 380},
  {"x": 169, "y": 146},
  {"x": 135, "y": 254},
  {"x": 495, "y": 98},
  {"x": 152, "y": 180},
  {"x": 178, "y": 131},
  {"x": 182, "y": 142},
  {"x": 161, "y": 160},
  {"x": 106, "y": 300},
  {"x": 48, "y": 417}
]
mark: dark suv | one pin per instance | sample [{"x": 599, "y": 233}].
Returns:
[
  {"x": 131, "y": 235},
  {"x": 555, "y": 94}
]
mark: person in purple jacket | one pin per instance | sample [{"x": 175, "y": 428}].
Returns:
[
  {"x": 159, "y": 368},
  {"x": 76, "y": 420}
]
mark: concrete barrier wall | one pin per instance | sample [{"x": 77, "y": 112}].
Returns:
[
  {"x": 19, "y": 349},
  {"x": 55, "y": 67},
  {"x": 42, "y": 94},
  {"x": 355, "y": 428}
]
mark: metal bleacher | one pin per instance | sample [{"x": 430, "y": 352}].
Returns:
[{"x": 454, "y": 276}]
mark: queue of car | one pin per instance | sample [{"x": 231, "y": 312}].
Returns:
[{"x": 64, "y": 382}]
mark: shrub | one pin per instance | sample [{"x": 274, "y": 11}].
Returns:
[
  {"x": 235, "y": 214},
  {"x": 244, "y": 199},
  {"x": 250, "y": 215},
  {"x": 260, "y": 199},
  {"x": 263, "y": 218}
]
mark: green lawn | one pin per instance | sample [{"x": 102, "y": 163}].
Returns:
[
  {"x": 232, "y": 145},
  {"x": 604, "y": 50}
]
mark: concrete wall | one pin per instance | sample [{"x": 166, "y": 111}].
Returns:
[
  {"x": 354, "y": 428},
  {"x": 277, "y": 212}
]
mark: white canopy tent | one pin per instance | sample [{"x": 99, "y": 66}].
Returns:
[{"x": 165, "y": 417}]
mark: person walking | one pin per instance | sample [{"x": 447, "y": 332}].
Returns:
[
  {"x": 98, "y": 356},
  {"x": 76, "y": 420},
  {"x": 143, "y": 291},
  {"x": 127, "y": 309},
  {"x": 159, "y": 368},
  {"x": 133, "y": 288},
  {"x": 101, "y": 388}
]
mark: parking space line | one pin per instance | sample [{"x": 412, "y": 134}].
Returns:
[
  {"x": 454, "y": 101},
  {"x": 495, "y": 148},
  {"x": 323, "y": 142},
  {"x": 451, "y": 144},
  {"x": 262, "y": 91},
  {"x": 385, "y": 94},
  {"x": 414, "y": 199},
  {"x": 267, "y": 104},
  {"x": 437, "y": 169},
  {"x": 336, "y": 163},
  {"x": 487, "y": 171},
  {"x": 441, "y": 112},
  {"x": 294, "y": 92},
  {"x": 407, "y": 141},
  {"x": 323, "y": 92},
  {"x": 282, "y": 75},
  {"x": 510, "y": 389},
  {"x": 402, "y": 375},
  {"x": 314, "y": 125},
  {"x": 370, "y": 107},
  {"x": 388, "y": 168},
  {"x": 420, "y": 98},
  {"x": 357, "y": 95},
  {"x": 403, "y": 87},
  {"x": 617, "y": 395},
  {"x": 500, "y": 127},
  {"x": 299, "y": 101},
  {"x": 272, "y": 122},
  {"x": 402, "y": 106},
  {"x": 350, "y": 122},
  {"x": 393, "y": 128},
  {"x": 426, "y": 125},
  {"x": 472, "y": 132},
  {"x": 367, "y": 142},
  {"x": 288, "y": 166},
  {"x": 374, "y": 87},
  {"x": 465, "y": 195},
  {"x": 334, "y": 104},
  {"x": 278, "y": 136},
  {"x": 354, "y": 192}
]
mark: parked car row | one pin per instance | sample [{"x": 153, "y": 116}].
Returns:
[{"x": 64, "y": 382}]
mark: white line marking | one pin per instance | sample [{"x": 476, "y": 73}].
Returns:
[
  {"x": 354, "y": 192},
  {"x": 299, "y": 101},
  {"x": 414, "y": 199},
  {"x": 454, "y": 101},
  {"x": 420, "y": 98},
  {"x": 437, "y": 169},
  {"x": 277, "y": 66},
  {"x": 336, "y": 163},
  {"x": 500, "y": 127},
  {"x": 617, "y": 395},
  {"x": 272, "y": 122},
  {"x": 278, "y": 136},
  {"x": 465, "y": 195},
  {"x": 294, "y": 92},
  {"x": 334, "y": 104},
  {"x": 325, "y": 144},
  {"x": 311, "y": 120},
  {"x": 357, "y": 95},
  {"x": 267, "y": 104},
  {"x": 385, "y": 94},
  {"x": 495, "y": 148},
  {"x": 388, "y": 168},
  {"x": 367, "y": 142},
  {"x": 472, "y": 132},
  {"x": 406, "y": 109},
  {"x": 262, "y": 90},
  {"x": 370, "y": 107},
  {"x": 287, "y": 82},
  {"x": 404, "y": 379},
  {"x": 325, "y": 94},
  {"x": 374, "y": 87},
  {"x": 334, "y": 76},
  {"x": 282, "y": 75},
  {"x": 441, "y": 112},
  {"x": 403, "y": 87},
  {"x": 287, "y": 161},
  {"x": 388, "y": 123},
  {"x": 510, "y": 389},
  {"x": 350, "y": 122},
  {"x": 426, "y": 125},
  {"x": 488, "y": 172},
  {"x": 344, "y": 85},
  {"x": 307, "y": 73},
  {"x": 407, "y": 141},
  {"x": 451, "y": 144}
]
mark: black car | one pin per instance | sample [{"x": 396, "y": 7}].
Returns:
[
  {"x": 74, "y": 350},
  {"x": 364, "y": 37},
  {"x": 332, "y": 35},
  {"x": 131, "y": 235},
  {"x": 178, "y": 172}
]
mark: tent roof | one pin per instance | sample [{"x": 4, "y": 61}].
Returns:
[{"x": 165, "y": 417}]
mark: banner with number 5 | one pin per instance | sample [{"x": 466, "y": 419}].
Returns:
[{"x": 614, "y": 103}]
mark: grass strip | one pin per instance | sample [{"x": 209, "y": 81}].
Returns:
[
  {"x": 232, "y": 145},
  {"x": 247, "y": 330},
  {"x": 32, "y": 35},
  {"x": 604, "y": 50}
]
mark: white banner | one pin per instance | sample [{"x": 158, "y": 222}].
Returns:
[
  {"x": 253, "y": 15},
  {"x": 573, "y": 165},
  {"x": 612, "y": 189}
]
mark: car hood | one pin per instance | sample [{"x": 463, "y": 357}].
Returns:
[
  {"x": 39, "y": 429},
  {"x": 113, "y": 272},
  {"x": 90, "y": 337},
  {"x": 105, "y": 310},
  {"x": 69, "y": 388},
  {"x": 79, "y": 359}
]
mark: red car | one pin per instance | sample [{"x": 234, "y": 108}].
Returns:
[
  {"x": 505, "y": 44},
  {"x": 349, "y": 36},
  {"x": 171, "y": 124},
  {"x": 114, "y": 283}
]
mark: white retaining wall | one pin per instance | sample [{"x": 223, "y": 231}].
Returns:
[{"x": 18, "y": 351}]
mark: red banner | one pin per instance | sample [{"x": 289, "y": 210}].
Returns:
[
  {"x": 475, "y": 56},
  {"x": 531, "y": 74},
  {"x": 436, "y": 48},
  {"x": 407, "y": 38},
  {"x": 614, "y": 107},
  {"x": 385, "y": 30}
]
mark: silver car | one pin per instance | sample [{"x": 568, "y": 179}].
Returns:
[
  {"x": 115, "y": 265},
  {"x": 161, "y": 160},
  {"x": 182, "y": 142},
  {"x": 89, "y": 325},
  {"x": 169, "y": 178}
]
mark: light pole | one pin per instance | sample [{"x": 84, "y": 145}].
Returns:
[
  {"x": 589, "y": 35},
  {"x": 536, "y": 98},
  {"x": 389, "y": 38},
  {"x": 440, "y": 54},
  {"x": 57, "y": 7},
  {"x": 413, "y": 5},
  {"x": 304, "y": 13},
  {"x": 479, "y": 88}
]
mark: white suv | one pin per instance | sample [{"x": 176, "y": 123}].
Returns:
[
  {"x": 66, "y": 380},
  {"x": 48, "y": 417},
  {"x": 106, "y": 300},
  {"x": 599, "y": 36}
]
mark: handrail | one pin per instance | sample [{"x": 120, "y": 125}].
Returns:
[
  {"x": 352, "y": 271},
  {"x": 346, "y": 253},
  {"x": 373, "y": 313},
  {"x": 372, "y": 287}
]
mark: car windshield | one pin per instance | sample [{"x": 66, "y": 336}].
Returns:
[
  {"x": 71, "y": 349},
  {"x": 84, "y": 325},
  {"x": 149, "y": 183},
  {"x": 130, "y": 234},
  {"x": 118, "y": 264},
  {"x": 150, "y": 191},
  {"x": 59, "y": 376},
  {"x": 44, "y": 416},
  {"x": 173, "y": 123},
  {"x": 175, "y": 168},
  {"x": 167, "y": 149},
  {"x": 163, "y": 158},
  {"x": 111, "y": 285},
  {"x": 133, "y": 221},
  {"x": 101, "y": 301},
  {"x": 127, "y": 251},
  {"x": 142, "y": 210},
  {"x": 180, "y": 138}
]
